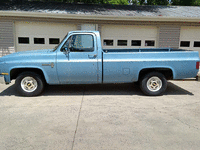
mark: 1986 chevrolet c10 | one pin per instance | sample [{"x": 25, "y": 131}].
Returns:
[{"x": 80, "y": 59}]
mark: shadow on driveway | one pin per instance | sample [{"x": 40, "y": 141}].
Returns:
[{"x": 106, "y": 89}]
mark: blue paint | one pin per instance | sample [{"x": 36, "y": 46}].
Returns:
[{"x": 98, "y": 65}]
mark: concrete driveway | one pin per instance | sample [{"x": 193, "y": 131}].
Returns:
[{"x": 111, "y": 117}]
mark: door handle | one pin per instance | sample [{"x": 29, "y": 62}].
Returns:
[{"x": 92, "y": 56}]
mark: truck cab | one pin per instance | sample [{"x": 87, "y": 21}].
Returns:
[{"x": 79, "y": 59}]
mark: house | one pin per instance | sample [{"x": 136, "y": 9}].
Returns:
[{"x": 38, "y": 25}]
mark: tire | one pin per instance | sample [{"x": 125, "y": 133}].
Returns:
[
  {"x": 153, "y": 84},
  {"x": 29, "y": 84}
]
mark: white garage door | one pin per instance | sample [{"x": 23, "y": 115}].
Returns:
[
  {"x": 128, "y": 36},
  {"x": 40, "y": 35},
  {"x": 190, "y": 38}
]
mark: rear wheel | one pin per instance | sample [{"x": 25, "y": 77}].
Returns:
[
  {"x": 29, "y": 84},
  {"x": 153, "y": 84}
]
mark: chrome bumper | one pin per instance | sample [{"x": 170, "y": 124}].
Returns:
[{"x": 2, "y": 80}]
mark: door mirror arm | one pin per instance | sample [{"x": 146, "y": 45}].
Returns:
[{"x": 65, "y": 50}]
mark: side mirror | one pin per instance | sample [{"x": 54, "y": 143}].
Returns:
[{"x": 65, "y": 50}]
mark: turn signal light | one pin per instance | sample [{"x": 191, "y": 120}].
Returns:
[{"x": 197, "y": 65}]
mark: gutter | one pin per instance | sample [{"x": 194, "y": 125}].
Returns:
[{"x": 96, "y": 17}]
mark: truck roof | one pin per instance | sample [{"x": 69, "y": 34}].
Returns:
[{"x": 84, "y": 31}]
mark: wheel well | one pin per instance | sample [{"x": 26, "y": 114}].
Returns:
[
  {"x": 15, "y": 72},
  {"x": 165, "y": 71}
]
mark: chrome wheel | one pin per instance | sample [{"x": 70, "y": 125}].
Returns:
[
  {"x": 29, "y": 84},
  {"x": 154, "y": 84}
]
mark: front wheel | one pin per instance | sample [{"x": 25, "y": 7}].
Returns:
[
  {"x": 153, "y": 84},
  {"x": 29, "y": 84}
]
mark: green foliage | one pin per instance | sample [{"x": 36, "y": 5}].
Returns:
[
  {"x": 157, "y": 2},
  {"x": 121, "y": 2},
  {"x": 93, "y": 1},
  {"x": 186, "y": 2},
  {"x": 4, "y": 1},
  {"x": 175, "y": 2},
  {"x": 197, "y": 3},
  {"x": 141, "y": 2},
  {"x": 118, "y": 2},
  {"x": 161, "y": 2},
  {"x": 135, "y": 2}
]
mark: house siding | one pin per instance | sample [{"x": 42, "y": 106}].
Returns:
[
  {"x": 169, "y": 36},
  {"x": 168, "y": 32},
  {"x": 6, "y": 37}
]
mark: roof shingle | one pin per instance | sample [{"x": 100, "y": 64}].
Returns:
[{"x": 111, "y": 10}]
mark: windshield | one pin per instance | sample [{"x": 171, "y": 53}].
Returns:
[{"x": 59, "y": 43}]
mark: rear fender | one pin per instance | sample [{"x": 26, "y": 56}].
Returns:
[{"x": 168, "y": 72}]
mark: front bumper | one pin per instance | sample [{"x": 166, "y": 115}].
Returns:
[{"x": 2, "y": 79}]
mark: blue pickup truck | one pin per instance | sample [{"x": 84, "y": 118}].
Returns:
[{"x": 80, "y": 59}]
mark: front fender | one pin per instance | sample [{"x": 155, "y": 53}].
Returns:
[{"x": 49, "y": 76}]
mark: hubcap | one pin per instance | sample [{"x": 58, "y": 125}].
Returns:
[
  {"x": 29, "y": 84},
  {"x": 154, "y": 84}
]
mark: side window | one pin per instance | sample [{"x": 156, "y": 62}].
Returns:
[
  {"x": 54, "y": 40},
  {"x": 196, "y": 43},
  {"x": 39, "y": 41},
  {"x": 23, "y": 40},
  {"x": 108, "y": 42},
  {"x": 82, "y": 43},
  {"x": 185, "y": 44},
  {"x": 136, "y": 43},
  {"x": 149, "y": 43},
  {"x": 121, "y": 42}
]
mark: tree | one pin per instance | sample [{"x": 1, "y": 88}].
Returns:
[
  {"x": 120, "y": 2},
  {"x": 197, "y": 3},
  {"x": 161, "y": 2},
  {"x": 157, "y": 2},
  {"x": 116, "y": 2},
  {"x": 141, "y": 2},
  {"x": 186, "y": 2}
]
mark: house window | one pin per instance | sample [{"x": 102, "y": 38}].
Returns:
[
  {"x": 149, "y": 43},
  {"x": 136, "y": 43},
  {"x": 39, "y": 41},
  {"x": 54, "y": 40},
  {"x": 196, "y": 43},
  {"x": 23, "y": 40},
  {"x": 108, "y": 42},
  {"x": 122, "y": 42},
  {"x": 185, "y": 44}
]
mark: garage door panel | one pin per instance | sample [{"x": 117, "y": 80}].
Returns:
[
  {"x": 189, "y": 34},
  {"x": 129, "y": 33},
  {"x": 44, "y": 30}
]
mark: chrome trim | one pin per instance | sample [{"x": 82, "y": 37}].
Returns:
[
  {"x": 2, "y": 80},
  {"x": 29, "y": 84},
  {"x": 154, "y": 84},
  {"x": 51, "y": 64}
]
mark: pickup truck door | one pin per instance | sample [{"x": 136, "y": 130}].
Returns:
[{"x": 77, "y": 60}]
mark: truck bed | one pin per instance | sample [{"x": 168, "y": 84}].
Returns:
[
  {"x": 125, "y": 65},
  {"x": 143, "y": 50}
]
